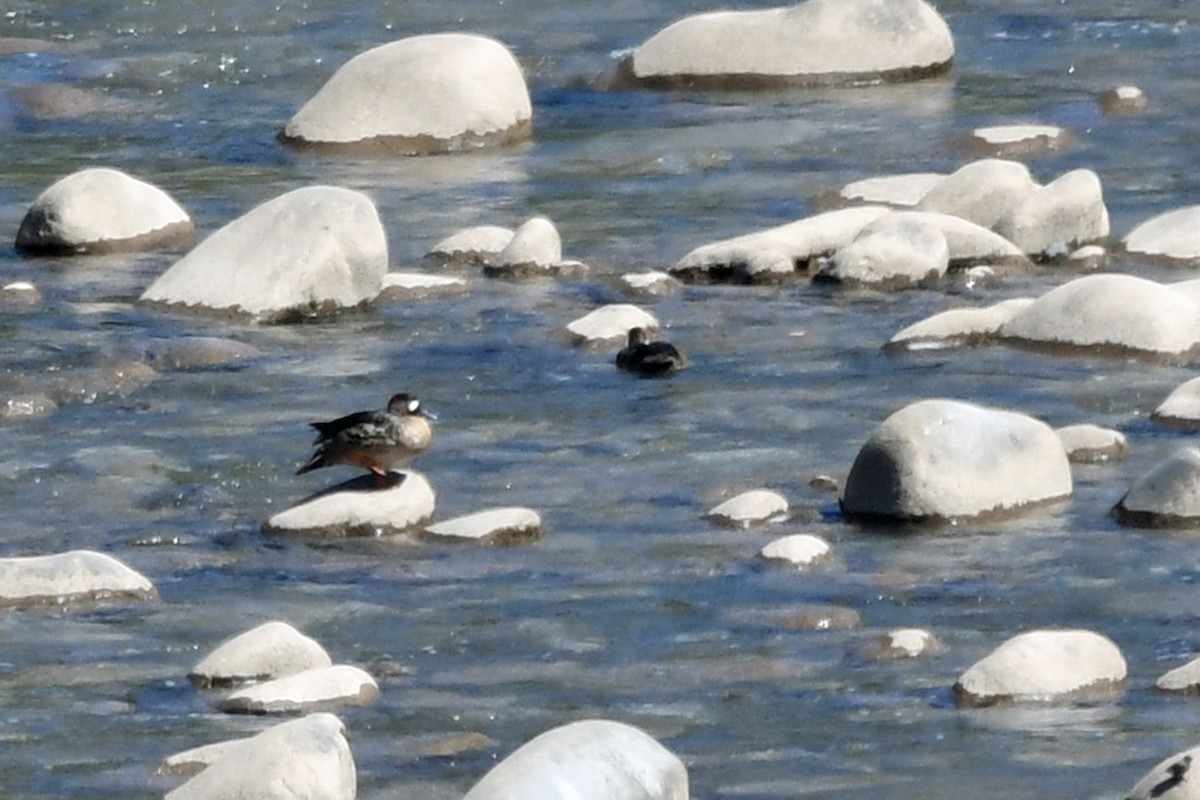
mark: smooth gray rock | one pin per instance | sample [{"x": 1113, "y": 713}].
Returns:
[
  {"x": 496, "y": 526},
  {"x": 1168, "y": 496},
  {"x": 814, "y": 42},
  {"x": 587, "y": 760},
  {"x": 649, "y": 285},
  {"x": 308, "y": 252},
  {"x": 1090, "y": 444},
  {"x": 1058, "y": 217},
  {"x": 358, "y": 508},
  {"x": 610, "y": 323},
  {"x": 102, "y": 210},
  {"x": 271, "y": 650},
  {"x": 983, "y": 191},
  {"x": 895, "y": 252},
  {"x": 436, "y": 93},
  {"x": 1172, "y": 236},
  {"x": 1044, "y": 666},
  {"x": 1181, "y": 409},
  {"x": 303, "y": 759},
  {"x": 77, "y": 576},
  {"x": 749, "y": 508},
  {"x": 1172, "y": 778},
  {"x": 957, "y": 327},
  {"x": 947, "y": 459},
  {"x": 319, "y": 688}
]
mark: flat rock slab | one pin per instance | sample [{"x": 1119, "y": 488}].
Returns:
[
  {"x": 101, "y": 210},
  {"x": 472, "y": 245},
  {"x": 1168, "y": 496},
  {"x": 1123, "y": 100},
  {"x": 592, "y": 759},
  {"x": 811, "y": 43},
  {"x": 404, "y": 286},
  {"x": 358, "y": 508},
  {"x": 1170, "y": 779},
  {"x": 198, "y": 352},
  {"x": 78, "y": 576},
  {"x": 1091, "y": 444},
  {"x": 958, "y": 327},
  {"x": 1181, "y": 679},
  {"x": 754, "y": 507},
  {"x": 610, "y": 324},
  {"x": 937, "y": 460},
  {"x": 650, "y": 285},
  {"x": 904, "y": 191},
  {"x": 1181, "y": 409},
  {"x": 323, "y": 688},
  {"x": 798, "y": 550},
  {"x": 271, "y": 650},
  {"x": 1044, "y": 666},
  {"x": 305, "y": 758},
  {"x": 1172, "y": 236},
  {"x": 1021, "y": 140},
  {"x": 497, "y": 526},
  {"x": 424, "y": 95}
]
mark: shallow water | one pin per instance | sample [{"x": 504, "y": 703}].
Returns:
[{"x": 631, "y": 607}]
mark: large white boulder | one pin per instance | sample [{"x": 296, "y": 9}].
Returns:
[
  {"x": 893, "y": 252},
  {"x": 1059, "y": 217},
  {"x": 358, "y": 508},
  {"x": 435, "y": 93},
  {"x": 1121, "y": 313},
  {"x": 1174, "y": 235},
  {"x": 101, "y": 210},
  {"x": 310, "y": 251},
  {"x": 587, "y": 760},
  {"x": 967, "y": 242},
  {"x": 957, "y": 327},
  {"x": 72, "y": 577},
  {"x": 1043, "y": 665},
  {"x": 1166, "y": 496},
  {"x": 818, "y": 41},
  {"x": 271, "y": 650},
  {"x": 1172, "y": 778},
  {"x": 947, "y": 459},
  {"x": 610, "y": 323},
  {"x": 303, "y": 759},
  {"x": 983, "y": 191}
]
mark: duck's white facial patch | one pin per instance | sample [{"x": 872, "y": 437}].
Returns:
[{"x": 414, "y": 406}]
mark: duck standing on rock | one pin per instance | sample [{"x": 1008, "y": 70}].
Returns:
[
  {"x": 375, "y": 440},
  {"x": 649, "y": 359}
]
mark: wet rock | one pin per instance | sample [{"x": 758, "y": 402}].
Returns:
[
  {"x": 610, "y": 323},
  {"x": 198, "y": 352},
  {"x": 271, "y": 650},
  {"x": 775, "y": 254},
  {"x": 1172, "y": 778},
  {"x": 16, "y": 45},
  {"x": 592, "y": 759},
  {"x": 48, "y": 101},
  {"x": 1041, "y": 666},
  {"x": 437, "y": 93},
  {"x": 968, "y": 243},
  {"x": 1185, "y": 678},
  {"x": 535, "y": 249},
  {"x": 120, "y": 461},
  {"x": 311, "y": 251},
  {"x": 1118, "y": 313},
  {"x": 905, "y": 191},
  {"x": 983, "y": 192},
  {"x": 20, "y": 294},
  {"x": 749, "y": 508},
  {"x": 101, "y": 210},
  {"x": 1021, "y": 140},
  {"x": 1090, "y": 444},
  {"x": 814, "y": 42},
  {"x": 405, "y": 286},
  {"x": 89, "y": 384},
  {"x": 824, "y": 483},
  {"x": 26, "y": 405},
  {"x": 1181, "y": 409},
  {"x": 946, "y": 459},
  {"x": 1122, "y": 100},
  {"x": 818, "y": 618},
  {"x": 1168, "y": 496},
  {"x": 1173, "y": 236},
  {"x": 453, "y": 745},
  {"x": 472, "y": 245},
  {"x": 894, "y": 252},
  {"x": 797, "y": 550},
  {"x": 1091, "y": 256},
  {"x": 958, "y": 327},
  {"x": 358, "y": 508},
  {"x": 73, "y": 577},
  {"x": 302, "y": 759},
  {"x": 321, "y": 688},
  {"x": 901, "y": 643},
  {"x": 497, "y": 526},
  {"x": 649, "y": 285},
  {"x": 1060, "y": 216}
]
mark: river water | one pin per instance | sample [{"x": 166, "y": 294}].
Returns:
[{"x": 632, "y": 607}]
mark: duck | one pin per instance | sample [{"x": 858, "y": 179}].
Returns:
[
  {"x": 649, "y": 359},
  {"x": 378, "y": 441}
]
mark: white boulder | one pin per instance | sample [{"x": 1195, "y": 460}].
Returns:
[
  {"x": 901, "y": 643},
  {"x": 1017, "y": 140},
  {"x": 983, "y": 191},
  {"x": 496, "y": 526},
  {"x": 905, "y": 190},
  {"x": 1181, "y": 409},
  {"x": 652, "y": 284},
  {"x": 1088, "y": 444},
  {"x": 610, "y": 323},
  {"x": 1170, "y": 779},
  {"x": 101, "y": 210},
  {"x": 1058, "y": 217},
  {"x": 1166, "y": 496},
  {"x": 71, "y": 577},
  {"x": 1174, "y": 235},
  {"x": 947, "y": 459},
  {"x": 1185, "y": 678},
  {"x": 535, "y": 249},
  {"x": 894, "y": 252},
  {"x": 312, "y": 250},
  {"x": 798, "y": 550},
  {"x": 472, "y": 245},
  {"x": 1043, "y": 665},
  {"x": 436, "y": 93},
  {"x": 271, "y": 650},
  {"x": 957, "y": 327},
  {"x": 358, "y": 508},
  {"x": 323, "y": 687},
  {"x": 749, "y": 508}
]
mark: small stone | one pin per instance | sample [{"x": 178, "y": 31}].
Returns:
[
  {"x": 824, "y": 483},
  {"x": 535, "y": 249},
  {"x": 1014, "y": 140},
  {"x": 20, "y": 293},
  {"x": 610, "y": 324},
  {"x": 476, "y": 245},
  {"x": 900, "y": 644},
  {"x": 78, "y": 576},
  {"x": 1091, "y": 444},
  {"x": 498, "y": 526},
  {"x": 1181, "y": 679},
  {"x": 798, "y": 550},
  {"x": 450, "y": 746},
  {"x": 754, "y": 507},
  {"x": 652, "y": 284},
  {"x": 321, "y": 688},
  {"x": 1123, "y": 100},
  {"x": 404, "y": 286},
  {"x": 271, "y": 650},
  {"x": 358, "y": 508}
]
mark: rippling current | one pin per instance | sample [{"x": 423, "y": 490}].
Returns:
[{"x": 631, "y": 607}]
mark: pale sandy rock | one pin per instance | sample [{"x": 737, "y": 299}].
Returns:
[
  {"x": 71, "y": 577},
  {"x": 610, "y": 323},
  {"x": 905, "y": 190},
  {"x": 1172, "y": 778},
  {"x": 651, "y": 284},
  {"x": 26, "y": 405},
  {"x": 20, "y": 293},
  {"x": 302, "y": 759},
  {"x": 775, "y": 253},
  {"x": 901, "y": 643},
  {"x": 198, "y": 352},
  {"x": 1043, "y": 665},
  {"x": 472, "y": 245},
  {"x": 1181, "y": 409},
  {"x": 1123, "y": 100},
  {"x": 894, "y": 252},
  {"x": 436, "y": 93},
  {"x": 1174, "y": 235},
  {"x": 535, "y": 249},
  {"x": 358, "y": 508},
  {"x": 983, "y": 191},
  {"x": 819, "y": 41},
  {"x": 271, "y": 650},
  {"x": 1014, "y": 140},
  {"x": 592, "y": 759},
  {"x": 1088, "y": 444},
  {"x": 947, "y": 459},
  {"x": 99, "y": 210},
  {"x": 324, "y": 687},
  {"x": 1060, "y": 216},
  {"x": 798, "y": 550},
  {"x": 749, "y": 508},
  {"x": 399, "y": 286},
  {"x": 1110, "y": 312},
  {"x": 1184, "y": 678},
  {"x": 967, "y": 242},
  {"x": 310, "y": 251},
  {"x": 496, "y": 526},
  {"x": 957, "y": 327},
  {"x": 1168, "y": 496}
]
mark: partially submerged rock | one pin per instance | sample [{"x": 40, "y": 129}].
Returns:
[
  {"x": 904, "y": 191},
  {"x": 472, "y": 245},
  {"x": 900, "y": 644},
  {"x": 798, "y": 550},
  {"x": 78, "y": 576},
  {"x": 403, "y": 286},
  {"x": 535, "y": 249},
  {"x": 1021, "y": 140},
  {"x": 754, "y": 507},
  {"x": 1181, "y": 409},
  {"x": 271, "y": 650},
  {"x": 610, "y": 323},
  {"x": 1089, "y": 444},
  {"x": 358, "y": 507},
  {"x": 19, "y": 294},
  {"x": 1168, "y": 496},
  {"x": 650, "y": 285},
  {"x": 894, "y": 252},
  {"x": 1172, "y": 236},
  {"x": 1185, "y": 678},
  {"x": 198, "y": 352},
  {"x": 1123, "y": 100},
  {"x": 958, "y": 327},
  {"x": 496, "y": 526},
  {"x": 1058, "y": 217},
  {"x": 26, "y": 405},
  {"x": 1171, "y": 779},
  {"x": 321, "y": 688}
]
